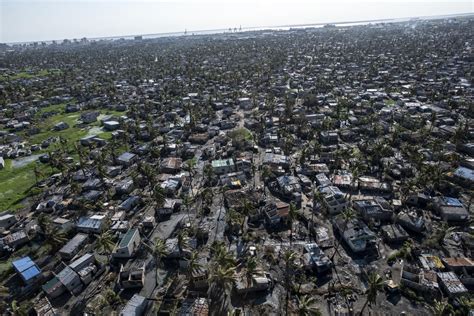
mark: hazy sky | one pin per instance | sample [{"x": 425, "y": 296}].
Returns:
[{"x": 33, "y": 20}]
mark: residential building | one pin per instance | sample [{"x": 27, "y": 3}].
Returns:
[
  {"x": 376, "y": 208},
  {"x": 450, "y": 209},
  {"x": 7, "y": 220},
  {"x": 171, "y": 165},
  {"x": 70, "y": 279},
  {"x": 73, "y": 246},
  {"x": 333, "y": 199},
  {"x": 93, "y": 224},
  {"x": 136, "y": 306},
  {"x": 128, "y": 245},
  {"x": 450, "y": 284},
  {"x": 126, "y": 159},
  {"x": 132, "y": 276},
  {"x": 394, "y": 233},
  {"x": 223, "y": 166},
  {"x": 315, "y": 258},
  {"x": 355, "y": 234}
]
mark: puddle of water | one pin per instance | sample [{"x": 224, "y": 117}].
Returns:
[
  {"x": 23, "y": 161},
  {"x": 94, "y": 131}
]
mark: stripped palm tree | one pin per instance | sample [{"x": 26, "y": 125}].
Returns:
[
  {"x": 289, "y": 258},
  {"x": 250, "y": 269},
  {"x": 292, "y": 214}
]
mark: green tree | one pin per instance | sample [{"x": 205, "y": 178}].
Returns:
[
  {"x": 221, "y": 282},
  {"x": 375, "y": 284},
  {"x": 19, "y": 309},
  {"x": 55, "y": 238},
  {"x": 194, "y": 267},
  {"x": 105, "y": 243},
  {"x": 306, "y": 306},
  {"x": 159, "y": 196},
  {"x": 44, "y": 222}
]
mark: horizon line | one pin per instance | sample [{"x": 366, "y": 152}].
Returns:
[{"x": 249, "y": 28}]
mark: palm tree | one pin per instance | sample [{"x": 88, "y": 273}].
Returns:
[
  {"x": 375, "y": 283},
  {"x": 190, "y": 166},
  {"x": 105, "y": 243},
  {"x": 19, "y": 310},
  {"x": 159, "y": 195},
  {"x": 234, "y": 218},
  {"x": 187, "y": 203},
  {"x": 439, "y": 308},
  {"x": 266, "y": 173},
  {"x": 466, "y": 304},
  {"x": 194, "y": 267},
  {"x": 305, "y": 306},
  {"x": 220, "y": 254},
  {"x": 221, "y": 282},
  {"x": 159, "y": 251},
  {"x": 44, "y": 222},
  {"x": 55, "y": 238},
  {"x": 4, "y": 294},
  {"x": 209, "y": 173}
]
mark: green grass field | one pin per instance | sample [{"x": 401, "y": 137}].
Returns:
[
  {"x": 29, "y": 74},
  {"x": 15, "y": 183}
]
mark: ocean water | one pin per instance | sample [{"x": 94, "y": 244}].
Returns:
[{"x": 44, "y": 20}]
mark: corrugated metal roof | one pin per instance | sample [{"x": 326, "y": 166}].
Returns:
[{"x": 127, "y": 237}]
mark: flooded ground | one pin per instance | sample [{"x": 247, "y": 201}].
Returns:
[
  {"x": 94, "y": 131},
  {"x": 23, "y": 161}
]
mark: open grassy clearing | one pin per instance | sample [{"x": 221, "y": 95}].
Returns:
[
  {"x": 29, "y": 74},
  {"x": 15, "y": 183}
]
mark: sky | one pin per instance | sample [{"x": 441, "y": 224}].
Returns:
[{"x": 43, "y": 20}]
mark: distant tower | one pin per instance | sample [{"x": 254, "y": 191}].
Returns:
[
  {"x": 240, "y": 28},
  {"x": 185, "y": 31}
]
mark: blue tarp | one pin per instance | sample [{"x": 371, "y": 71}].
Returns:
[
  {"x": 465, "y": 173},
  {"x": 26, "y": 268}
]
